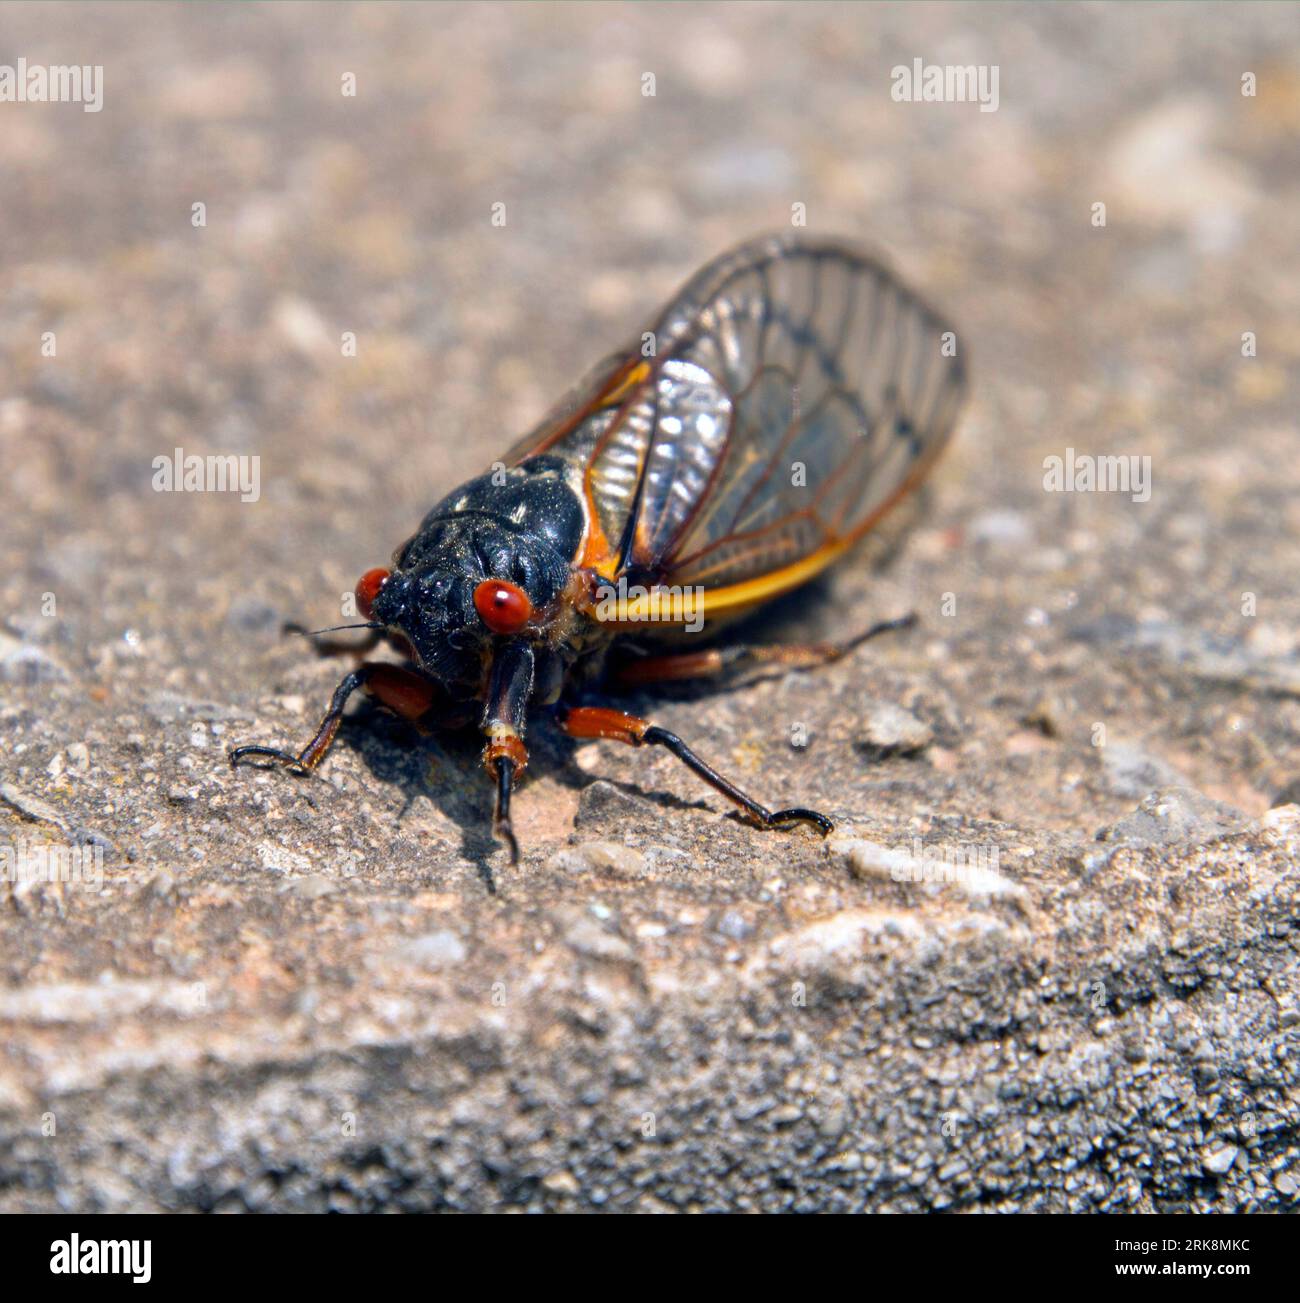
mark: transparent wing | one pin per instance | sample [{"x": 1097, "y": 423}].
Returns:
[{"x": 796, "y": 390}]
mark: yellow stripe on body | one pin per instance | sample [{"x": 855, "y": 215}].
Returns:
[{"x": 684, "y": 606}]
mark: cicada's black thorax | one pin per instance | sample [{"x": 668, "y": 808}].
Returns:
[{"x": 523, "y": 524}]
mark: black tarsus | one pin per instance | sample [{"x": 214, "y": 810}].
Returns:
[
  {"x": 501, "y": 818},
  {"x": 656, "y": 736},
  {"x": 884, "y": 626},
  {"x": 310, "y": 756}
]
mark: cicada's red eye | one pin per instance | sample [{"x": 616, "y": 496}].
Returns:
[
  {"x": 504, "y": 607},
  {"x": 368, "y": 587}
]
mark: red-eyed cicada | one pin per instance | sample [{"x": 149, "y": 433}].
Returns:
[{"x": 789, "y": 396}]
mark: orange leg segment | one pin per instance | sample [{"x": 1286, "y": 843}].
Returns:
[
  {"x": 404, "y": 692},
  {"x": 596, "y": 721}
]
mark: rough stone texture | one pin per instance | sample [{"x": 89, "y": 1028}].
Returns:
[{"x": 334, "y": 993}]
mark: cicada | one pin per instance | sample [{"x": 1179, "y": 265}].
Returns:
[{"x": 789, "y": 396}]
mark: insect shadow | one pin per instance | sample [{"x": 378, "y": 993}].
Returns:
[{"x": 445, "y": 765}]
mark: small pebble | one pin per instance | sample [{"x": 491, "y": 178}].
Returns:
[
  {"x": 890, "y": 730},
  {"x": 441, "y": 949},
  {"x": 1007, "y": 529},
  {"x": 31, "y": 666},
  {"x": 735, "y": 925},
  {"x": 1284, "y": 819},
  {"x": 1221, "y": 1159},
  {"x": 868, "y": 859},
  {"x": 31, "y": 806},
  {"x": 588, "y": 937},
  {"x": 601, "y": 856},
  {"x": 561, "y": 1183}
]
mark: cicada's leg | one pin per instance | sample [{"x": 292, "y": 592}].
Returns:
[
  {"x": 505, "y": 715},
  {"x": 715, "y": 661},
  {"x": 403, "y": 691},
  {"x": 505, "y": 758},
  {"x": 598, "y": 722}
]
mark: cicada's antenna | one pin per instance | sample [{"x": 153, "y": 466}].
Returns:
[{"x": 311, "y": 633}]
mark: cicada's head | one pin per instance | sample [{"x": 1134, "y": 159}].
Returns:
[{"x": 469, "y": 579}]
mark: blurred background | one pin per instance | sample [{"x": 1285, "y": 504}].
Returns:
[{"x": 500, "y": 203}]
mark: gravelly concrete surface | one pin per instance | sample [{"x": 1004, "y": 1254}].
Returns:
[{"x": 335, "y": 993}]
